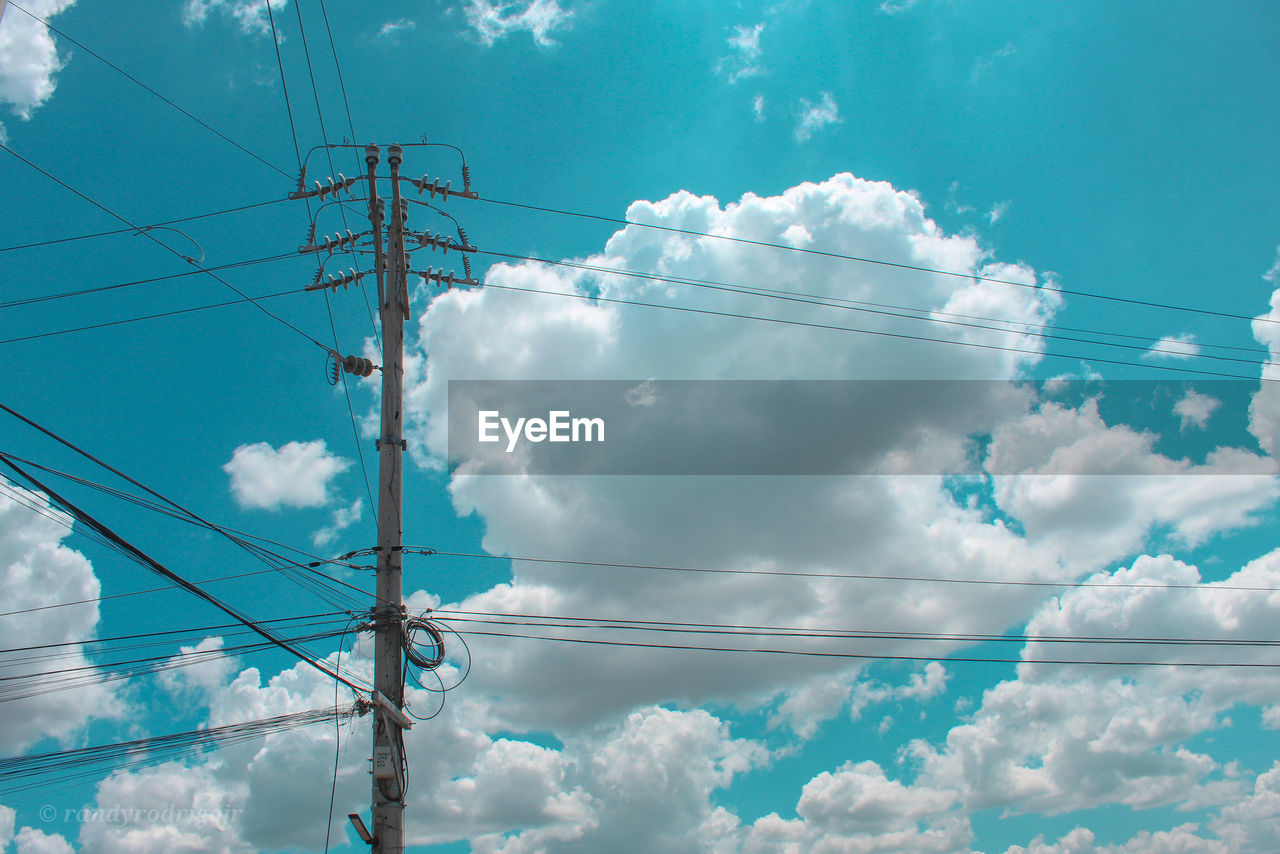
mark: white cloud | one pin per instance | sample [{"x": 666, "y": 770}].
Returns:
[
  {"x": 399, "y": 25},
  {"x": 296, "y": 475},
  {"x": 757, "y": 107},
  {"x": 832, "y": 525},
  {"x": 1195, "y": 409},
  {"x": 31, "y": 840},
  {"x": 894, "y": 7},
  {"x": 814, "y": 117},
  {"x": 28, "y": 58},
  {"x": 197, "y": 670},
  {"x": 1264, "y": 409},
  {"x": 493, "y": 21},
  {"x": 250, "y": 14},
  {"x": 38, "y": 570},
  {"x": 858, "y": 808},
  {"x": 743, "y": 60},
  {"x": 1068, "y": 737},
  {"x": 343, "y": 518},
  {"x": 1181, "y": 346},
  {"x": 1092, "y": 491},
  {"x": 1273, "y": 273},
  {"x": 919, "y": 686},
  {"x": 997, "y": 212}
]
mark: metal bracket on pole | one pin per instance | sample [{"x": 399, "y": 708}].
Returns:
[{"x": 389, "y": 709}]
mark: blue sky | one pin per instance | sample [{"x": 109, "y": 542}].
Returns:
[{"x": 1115, "y": 160}]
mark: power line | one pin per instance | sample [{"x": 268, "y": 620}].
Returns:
[
  {"x": 143, "y": 228},
  {"x": 164, "y": 572},
  {"x": 157, "y": 316},
  {"x": 883, "y": 310},
  {"x": 875, "y": 656},
  {"x": 160, "y": 243},
  {"x": 129, "y": 76},
  {"x": 64, "y": 766},
  {"x": 879, "y": 262},
  {"x": 882, "y": 333},
  {"x": 778, "y": 573},
  {"x": 562, "y": 622},
  {"x": 232, "y": 265}
]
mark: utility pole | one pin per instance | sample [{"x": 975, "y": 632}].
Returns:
[
  {"x": 393, "y": 298},
  {"x": 391, "y": 269}
]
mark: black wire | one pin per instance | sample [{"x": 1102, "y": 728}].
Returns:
[
  {"x": 163, "y": 571},
  {"x": 293, "y": 130},
  {"x": 894, "y": 310},
  {"x": 167, "y": 633},
  {"x": 877, "y": 656},
  {"x": 158, "y": 316},
  {"x": 70, "y": 765},
  {"x": 161, "y": 243},
  {"x": 859, "y": 576},
  {"x": 663, "y": 626},
  {"x": 102, "y": 288},
  {"x": 879, "y": 262},
  {"x": 337, "y": 735},
  {"x": 144, "y": 228},
  {"x": 276, "y": 561},
  {"x": 883, "y": 333},
  {"x": 126, "y": 74}
]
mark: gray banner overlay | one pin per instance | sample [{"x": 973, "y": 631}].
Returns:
[{"x": 813, "y": 427}]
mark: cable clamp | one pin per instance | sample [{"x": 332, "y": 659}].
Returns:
[{"x": 403, "y": 443}]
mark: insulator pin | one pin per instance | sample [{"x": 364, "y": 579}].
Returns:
[
  {"x": 329, "y": 187},
  {"x": 358, "y": 366}
]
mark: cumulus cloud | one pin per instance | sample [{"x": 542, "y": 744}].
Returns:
[
  {"x": 1273, "y": 272},
  {"x": 28, "y": 58},
  {"x": 1181, "y": 346},
  {"x": 298, "y": 474},
  {"x": 633, "y": 762},
  {"x": 251, "y": 15},
  {"x": 343, "y": 518},
  {"x": 493, "y": 21},
  {"x": 896, "y": 7},
  {"x": 399, "y": 25},
  {"x": 1064, "y": 737},
  {"x": 1092, "y": 491},
  {"x": 38, "y": 570},
  {"x": 1195, "y": 409},
  {"x": 814, "y": 117},
  {"x": 743, "y": 60}
]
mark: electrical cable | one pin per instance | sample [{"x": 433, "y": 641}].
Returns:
[
  {"x": 161, "y": 243},
  {"x": 14, "y": 303},
  {"x": 276, "y": 561},
  {"x": 879, "y": 262},
  {"x": 859, "y": 576},
  {"x": 884, "y": 333},
  {"x": 896, "y": 311},
  {"x": 879, "y": 656},
  {"x": 129, "y": 76},
  {"x": 158, "y": 316},
  {"x": 143, "y": 228},
  {"x": 168, "y": 574},
  {"x": 666, "y": 626},
  {"x": 72, "y": 765}
]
